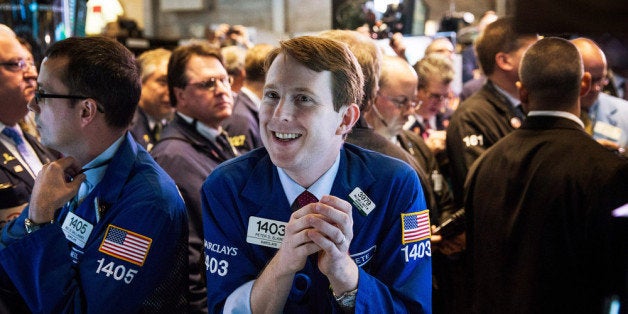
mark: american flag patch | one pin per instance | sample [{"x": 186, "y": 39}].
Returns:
[
  {"x": 415, "y": 226},
  {"x": 125, "y": 245}
]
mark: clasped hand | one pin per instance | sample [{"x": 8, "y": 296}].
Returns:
[{"x": 325, "y": 227}]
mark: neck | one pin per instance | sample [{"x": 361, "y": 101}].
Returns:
[
  {"x": 504, "y": 82},
  {"x": 95, "y": 146}
]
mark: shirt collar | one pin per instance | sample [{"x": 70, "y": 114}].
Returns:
[
  {"x": 256, "y": 100},
  {"x": 321, "y": 187},
  {"x": 514, "y": 101},
  {"x": 206, "y": 131},
  {"x": 561, "y": 114},
  {"x": 100, "y": 164}
]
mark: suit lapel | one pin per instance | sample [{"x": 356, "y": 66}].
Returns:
[{"x": 14, "y": 167}]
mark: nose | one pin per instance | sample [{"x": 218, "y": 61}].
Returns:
[
  {"x": 222, "y": 87},
  {"x": 283, "y": 110}
]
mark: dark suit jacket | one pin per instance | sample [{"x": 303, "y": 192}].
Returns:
[
  {"x": 16, "y": 183},
  {"x": 189, "y": 158},
  {"x": 243, "y": 125},
  {"x": 477, "y": 124},
  {"x": 364, "y": 136},
  {"x": 539, "y": 204},
  {"x": 141, "y": 131}
]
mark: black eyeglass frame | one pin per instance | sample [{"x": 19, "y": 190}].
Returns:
[{"x": 39, "y": 96}]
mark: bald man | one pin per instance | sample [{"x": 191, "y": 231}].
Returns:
[
  {"x": 541, "y": 234},
  {"x": 605, "y": 116}
]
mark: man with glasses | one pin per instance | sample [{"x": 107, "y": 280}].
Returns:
[
  {"x": 432, "y": 118},
  {"x": 21, "y": 155},
  {"x": 105, "y": 229},
  {"x": 604, "y": 116},
  {"x": 194, "y": 142}
]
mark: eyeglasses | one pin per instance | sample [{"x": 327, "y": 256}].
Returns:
[
  {"x": 211, "y": 83},
  {"x": 401, "y": 102},
  {"x": 600, "y": 81},
  {"x": 20, "y": 65},
  {"x": 39, "y": 96},
  {"x": 438, "y": 97}
]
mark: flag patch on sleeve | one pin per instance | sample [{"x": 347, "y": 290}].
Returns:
[
  {"x": 125, "y": 245},
  {"x": 415, "y": 226}
]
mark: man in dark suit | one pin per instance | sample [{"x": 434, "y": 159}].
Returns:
[
  {"x": 539, "y": 201},
  {"x": 194, "y": 143},
  {"x": 243, "y": 125},
  {"x": 154, "y": 109},
  {"x": 21, "y": 155},
  {"x": 493, "y": 112}
]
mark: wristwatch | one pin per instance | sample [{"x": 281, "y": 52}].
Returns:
[
  {"x": 31, "y": 226},
  {"x": 347, "y": 299}
]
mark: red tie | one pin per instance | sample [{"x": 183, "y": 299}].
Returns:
[
  {"x": 303, "y": 199},
  {"x": 426, "y": 126}
]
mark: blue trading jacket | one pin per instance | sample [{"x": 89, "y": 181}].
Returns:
[
  {"x": 393, "y": 277},
  {"x": 134, "y": 260}
]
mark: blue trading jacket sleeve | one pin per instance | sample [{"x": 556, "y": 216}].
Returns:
[
  {"x": 41, "y": 268},
  {"x": 400, "y": 280},
  {"x": 222, "y": 251}
]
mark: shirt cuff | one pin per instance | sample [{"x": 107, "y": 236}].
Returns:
[{"x": 239, "y": 301}]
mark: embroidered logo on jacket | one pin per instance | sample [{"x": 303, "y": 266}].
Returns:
[
  {"x": 125, "y": 245},
  {"x": 415, "y": 226}
]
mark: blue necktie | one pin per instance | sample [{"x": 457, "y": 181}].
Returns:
[{"x": 21, "y": 147}]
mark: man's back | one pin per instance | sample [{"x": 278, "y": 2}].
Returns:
[{"x": 540, "y": 203}]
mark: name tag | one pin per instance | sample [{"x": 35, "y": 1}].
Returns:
[
  {"x": 265, "y": 232},
  {"x": 76, "y": 229},
  {"x": 361, "y": 201}
]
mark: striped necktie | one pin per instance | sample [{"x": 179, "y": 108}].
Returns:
[{"x": 17, "y": 138}]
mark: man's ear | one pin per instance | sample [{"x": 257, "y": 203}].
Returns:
[
  {"x": 585, "y": 84},
  {"x": 349, "y": 118},
  {"x": 89, "y": 109},
  {"x": 504, "y": 61},
  {"x": 179, "y": 94}
]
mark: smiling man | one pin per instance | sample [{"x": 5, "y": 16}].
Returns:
[{"x": 309, "y": 223}]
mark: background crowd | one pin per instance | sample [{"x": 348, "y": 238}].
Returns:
[{"x": 152, "y": 183}]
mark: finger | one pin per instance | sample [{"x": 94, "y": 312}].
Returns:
[
  {"x": 331, "y": 231},
  {"x": 337, "y": 203},
  {"x": 305, "y": 210},
  {"x": 337, "y": 217},
  {"x": 326, "y": 244},
  {"x": 75, "y": 184},
  {"x": 66, "y": 163}
]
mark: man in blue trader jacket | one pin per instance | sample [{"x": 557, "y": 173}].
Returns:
[
  {"x": 105, "y": 230},
  {"x": 356, "y": 237}
]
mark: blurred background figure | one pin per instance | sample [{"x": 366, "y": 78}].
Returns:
[
  {"x": 234, "y": 63},
  {"x": 605, "y": 117},
  {"x": 243, "y": 124},
  {"x": 22, "y": 156},
  {"x": 154, "y": 110}
]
